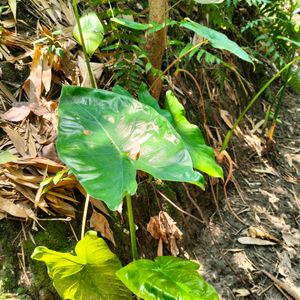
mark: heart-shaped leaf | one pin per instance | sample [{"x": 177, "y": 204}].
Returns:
[
  {"x": 92, "y": 31},
  {"x": 104, "y": 137},
  {"x": 167, "y": 277},
  {"x": 89, "y": 275},
  {"x": 217, "y": 39},
  {"x": 202, "y": 155}
]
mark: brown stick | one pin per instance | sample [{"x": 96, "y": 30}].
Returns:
[{"x": 283, "y": 285}]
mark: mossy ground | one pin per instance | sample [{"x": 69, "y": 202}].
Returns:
[{"x": 56, "y": 236}]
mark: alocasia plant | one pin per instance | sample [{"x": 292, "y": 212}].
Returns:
[
  {"x": 202, "y": 156},
  {"x": 95, "y": 273},
  {"x": 166, "y": 275},
  {"x": 104, "y": 137},
  {"x": 81, "y": 276}
]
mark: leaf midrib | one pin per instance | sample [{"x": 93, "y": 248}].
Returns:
[{"x": 114, "y": 144}]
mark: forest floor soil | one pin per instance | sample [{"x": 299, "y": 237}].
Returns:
[{"x": 265, "y": 194}]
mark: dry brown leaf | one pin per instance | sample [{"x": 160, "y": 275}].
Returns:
[
  {"x": 61, "y": 206},
  {"x": 261, "y": 233},
  {"x": 33, "y": 85},
  {"x": 42, "y": 163},
  {"x": 153, "y": 227},
  {"x": 13, "y": 7},
  {"x": 31, "y": 146},
  {"x": 68, "y": 12},
  {"x": 16, "y": 139},
  {"x": 97, "y": 203},
  {"x": 163, "y": 227},
  {"x": 46, "y": 74},
  {"x": 255, "y": 241},
  {"x": 17, "y": 114},
  {"x": 50, "y": 152},
  {"x": 226, "y": 117},
  {"x": 100, "y": 224},
  {"x": 12, "y": 209}
]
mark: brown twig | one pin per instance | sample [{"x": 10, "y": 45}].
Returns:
[
  {"x": 177, "y": 207},
  {"x": 201, "y": 98},
  {"x": 195, "y": 204},
  {"x": 282, "y": 285}
]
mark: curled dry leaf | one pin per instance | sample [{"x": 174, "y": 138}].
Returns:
[
  {"x": 33, "y": 85},
  {"x": 163, "y": 227},
  {"x": 96, "y": 203},
  {"x": 21, "y": 110},
  {"x": 60, "y": 206},
  {"x": 227, "y": 118},
  {"x": 11, "y": 208},
  {"x": 100, "y": 224},
  {"x": 37, "y": 183},
  {"x": 261, "y": 233}
]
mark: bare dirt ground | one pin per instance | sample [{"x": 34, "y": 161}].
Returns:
[{"x": 264, "y": 194}]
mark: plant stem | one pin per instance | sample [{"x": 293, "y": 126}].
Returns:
[
  {"x": 240, "y": 117},
  {"x": 131, "y": 228},
  {"x": 282, "y": 94},
  {"x": 86, "y": 57},
  {"x": 178, "y": 59},
  {"x": 86, "y": 206}
]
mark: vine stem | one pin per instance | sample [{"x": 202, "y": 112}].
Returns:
[
  {"x": 85, "y": 210},
  {"x": 86, "y": 57},
  {"x": 131, "y": 227},
  {"x": 177, "y": 60},
  {"x": 240, "y": 117}
]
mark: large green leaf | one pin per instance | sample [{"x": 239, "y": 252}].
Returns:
[
  {"x": 167, "y": 277},
  {"x": 146, "y": 98},
  {"x": 88, "y": 275},
  {"x": 209, "y": 1},
  {"x": 217, "y": 39},
  {"x": 202, "y": 155},
  {"x": 92, "y": 31},
  {"x": 131, "y": 24},
  {"x": 104, "y": 137}
]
